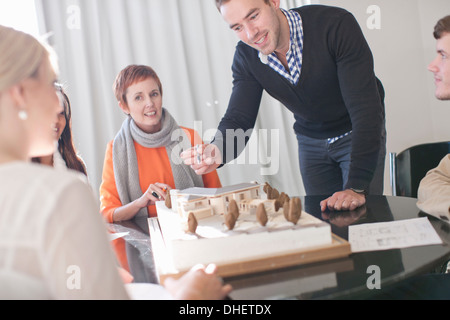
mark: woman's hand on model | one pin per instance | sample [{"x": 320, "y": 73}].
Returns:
[{"x": 155, "y": 192}]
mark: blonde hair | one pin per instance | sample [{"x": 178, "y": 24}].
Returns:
[{"x": 20, "y": 56}]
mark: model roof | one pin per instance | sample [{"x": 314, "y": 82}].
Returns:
[{"x": 213, "y": 192}]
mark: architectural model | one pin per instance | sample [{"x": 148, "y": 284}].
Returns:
[
  {"x": 235, "y": 223},
  {"x": 233, "y": 200}
]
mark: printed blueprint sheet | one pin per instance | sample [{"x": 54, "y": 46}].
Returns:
[{"x": 392, "y": 235}]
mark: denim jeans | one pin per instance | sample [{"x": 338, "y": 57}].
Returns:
[{"x": 325, "y": 167}]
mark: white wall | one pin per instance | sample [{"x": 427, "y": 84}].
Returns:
[{"x": 403, "y": 47}]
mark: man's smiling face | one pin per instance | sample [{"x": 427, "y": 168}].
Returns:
[{"x": 255, "y": 22}]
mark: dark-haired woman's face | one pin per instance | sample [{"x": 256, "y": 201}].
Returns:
[{"x": 60, "y": 125}]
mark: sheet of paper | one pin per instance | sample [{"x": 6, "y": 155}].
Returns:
[{"x": 392, "y": 235}]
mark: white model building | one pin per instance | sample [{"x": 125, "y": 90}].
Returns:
[{"x": 204, "y": 202}]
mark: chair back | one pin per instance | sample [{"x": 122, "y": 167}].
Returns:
[{"x": 410, "y": 166}]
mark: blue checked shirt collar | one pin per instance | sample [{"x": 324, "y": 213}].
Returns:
[{"x": 295, "y": 54}]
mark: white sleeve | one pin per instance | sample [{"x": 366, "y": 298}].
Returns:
[
  {"x": 147, "y": 291},
  {"x": 78, "y": 258}
]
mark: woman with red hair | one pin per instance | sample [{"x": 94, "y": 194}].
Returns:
[{"x": 142, "y": 162}]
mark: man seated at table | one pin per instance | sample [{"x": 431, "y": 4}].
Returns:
[{"x": 434, "y": 189}]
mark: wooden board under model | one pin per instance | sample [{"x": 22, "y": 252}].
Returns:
[{"x": 339, "y": 248}]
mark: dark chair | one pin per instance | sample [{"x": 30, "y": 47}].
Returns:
[{"x": 409, "y": 166}]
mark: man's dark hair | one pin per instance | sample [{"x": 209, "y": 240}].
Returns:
[
  {"x": 220, "y": 2},
  {"x": 443, "y": 26}
]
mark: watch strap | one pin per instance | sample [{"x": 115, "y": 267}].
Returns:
[{"x": 359, "y": 191}]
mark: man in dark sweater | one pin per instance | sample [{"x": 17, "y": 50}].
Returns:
[{"x": 316, "y": 62}]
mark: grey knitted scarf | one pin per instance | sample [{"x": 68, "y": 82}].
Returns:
[{"x": 126, "y": 174}]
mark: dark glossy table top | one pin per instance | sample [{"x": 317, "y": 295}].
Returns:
[{"x": 334, "y": 279}]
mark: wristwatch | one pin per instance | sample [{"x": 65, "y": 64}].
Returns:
[{"x": 359, "y": 191}]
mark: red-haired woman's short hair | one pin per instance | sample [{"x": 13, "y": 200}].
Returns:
[{"x": 131, "y": 75}]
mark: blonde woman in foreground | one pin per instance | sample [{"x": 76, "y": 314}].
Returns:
[{"x": 53, "y": 242}]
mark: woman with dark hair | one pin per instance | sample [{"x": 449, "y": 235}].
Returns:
[{"x": 65, "y": 156}]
